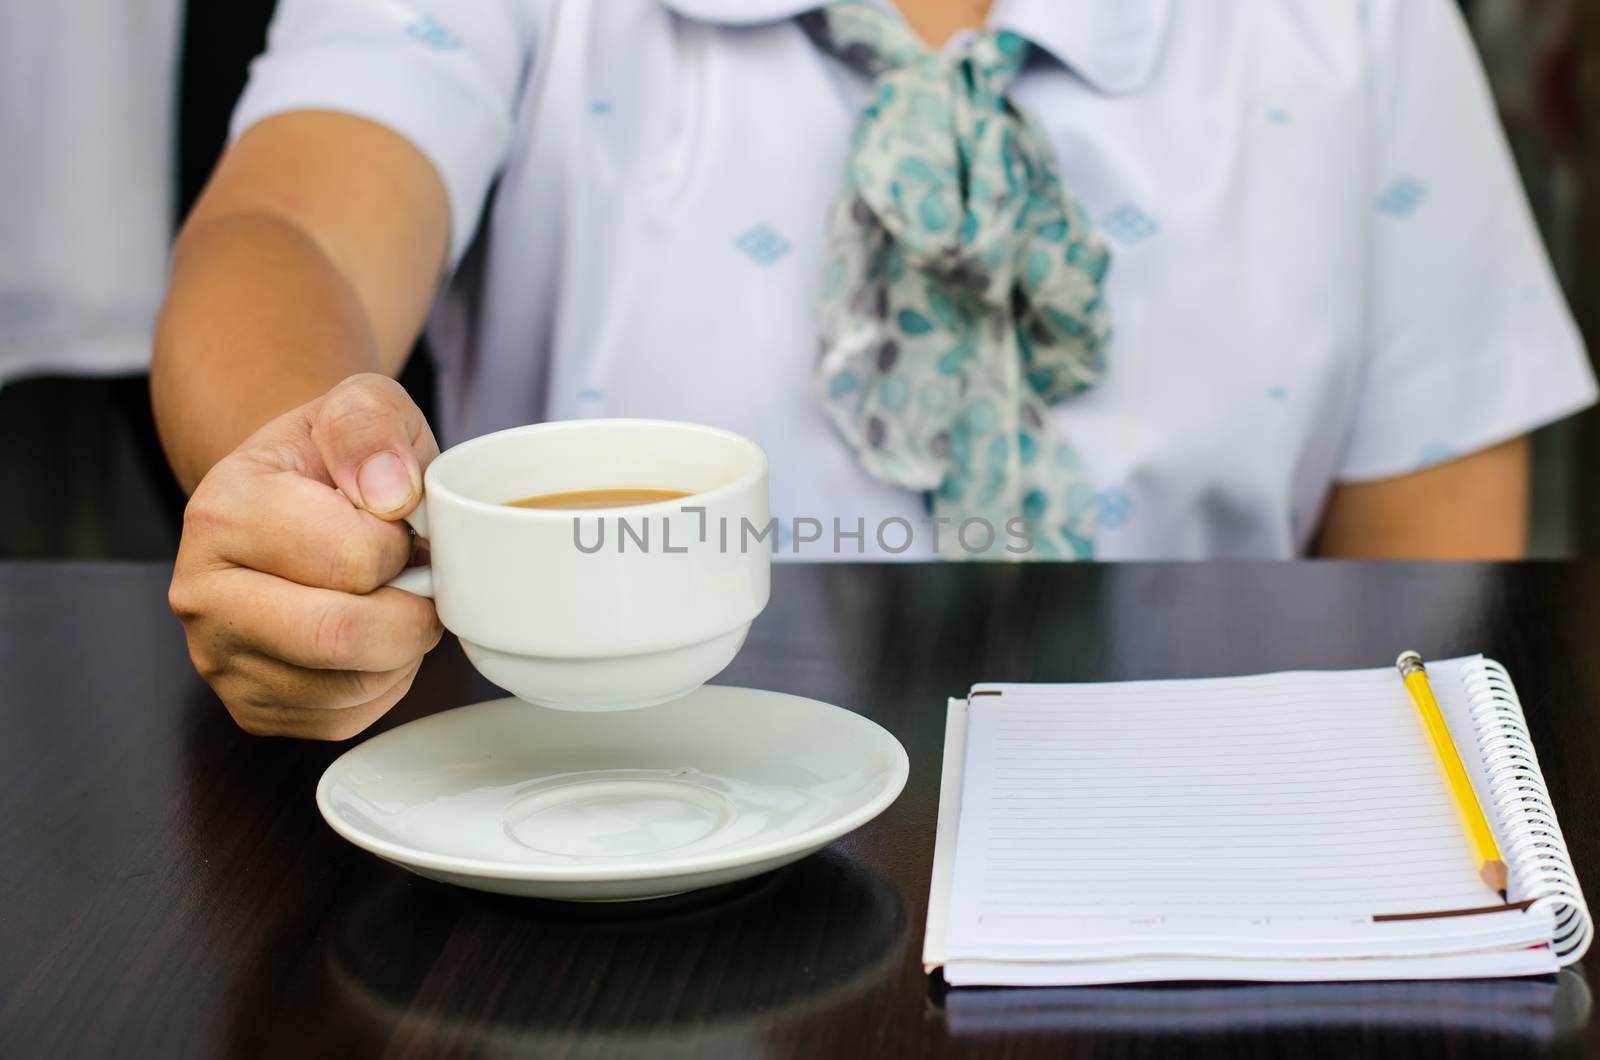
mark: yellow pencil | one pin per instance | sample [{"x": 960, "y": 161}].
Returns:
[{"x": 1484, "y": 848}]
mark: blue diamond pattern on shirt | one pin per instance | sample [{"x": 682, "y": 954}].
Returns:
[
  {"x": 1279, "y": 116},
  {"x": 599, "y": 106},
  {"x": 1278, "y": 393},
  {"x": 1113, "y": 508},
  {"x": 432, "y": 33},
  {"x": 1402, "y": 197},
  {"x": 589, "y": 393},
  {"x": 1128, "y": 224},
  {"x": 762, "y": 244}
]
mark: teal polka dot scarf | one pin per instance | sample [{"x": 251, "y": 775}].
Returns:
[{"x": 960, "y": 292}]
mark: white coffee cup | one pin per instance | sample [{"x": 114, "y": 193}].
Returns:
[{"x": 658, "y": 608}]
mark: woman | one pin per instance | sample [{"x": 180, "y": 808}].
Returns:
[{"x": 1161, "y": 280}]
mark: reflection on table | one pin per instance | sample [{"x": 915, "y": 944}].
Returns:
[{"x": 1537, "y": 1010}]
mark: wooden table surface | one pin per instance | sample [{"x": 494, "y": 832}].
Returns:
[{"x": 168, "y": 889}]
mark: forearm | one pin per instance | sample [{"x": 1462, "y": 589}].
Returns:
[
  {"x": 1475, "y": 507},
  {"x": 312, "y": 255},
  {"x": 257, "y": 320}
]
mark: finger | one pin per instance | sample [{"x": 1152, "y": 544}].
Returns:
[
  {"x": 275, "y": 684},
  {"x": 312, "y": 723},
  {"x": 282, "y": 524},
  {"x": 320, "y": 629},
  {"x": 374, "y": 442}
]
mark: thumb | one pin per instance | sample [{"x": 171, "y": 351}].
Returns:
[{"x": 374, "y": 443}]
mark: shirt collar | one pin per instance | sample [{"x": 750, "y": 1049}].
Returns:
[{"x": 1113, "y": 45}]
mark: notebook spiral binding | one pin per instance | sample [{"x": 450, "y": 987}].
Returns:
[{"x": 1536, "y": 852}]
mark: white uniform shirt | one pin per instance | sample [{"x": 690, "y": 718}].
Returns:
[
  {"x": 88, "y": 174},
  {"x": 1323, "y": 266}
]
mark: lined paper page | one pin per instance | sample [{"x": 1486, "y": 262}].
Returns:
[{"x": 1266, "y": 816}]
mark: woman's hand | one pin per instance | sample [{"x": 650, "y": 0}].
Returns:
[{"x": 279, "y": 577}]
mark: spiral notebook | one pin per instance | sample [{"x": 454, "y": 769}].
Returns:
[{"x": 1282, "y": 827}]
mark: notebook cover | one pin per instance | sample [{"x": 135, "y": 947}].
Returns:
[{"x": 944, "y": 846}]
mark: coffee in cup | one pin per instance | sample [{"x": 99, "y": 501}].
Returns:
[{"x": 583, "y": 500}]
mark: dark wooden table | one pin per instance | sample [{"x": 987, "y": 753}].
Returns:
[{"x": 167, "y": 888}]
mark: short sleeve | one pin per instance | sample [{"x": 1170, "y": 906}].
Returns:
[
  {"x": 1469, "y": 341},
  {"x": 445, "y": 79}
]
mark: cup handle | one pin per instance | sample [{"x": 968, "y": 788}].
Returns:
[{"x": 418, "y": 580}]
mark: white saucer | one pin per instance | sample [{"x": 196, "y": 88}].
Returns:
[{"x": 720, "y": 785}]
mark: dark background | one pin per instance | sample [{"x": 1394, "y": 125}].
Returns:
[{"x": 83, "y": 475}]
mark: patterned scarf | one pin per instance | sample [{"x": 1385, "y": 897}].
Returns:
[{"x": 961, "y": 290}]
